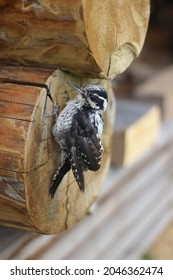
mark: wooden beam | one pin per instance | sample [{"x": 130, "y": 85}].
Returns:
[
  {"x": 136, "y": 129},
  {"x": 87, "y": 38}
]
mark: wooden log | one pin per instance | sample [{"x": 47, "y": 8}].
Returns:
[
  {"x": 158, "y": 90},
  {"x": 136, "y": 130},
  {"x": 88, "y": 38},
  {"x": 30, "y": 156}
]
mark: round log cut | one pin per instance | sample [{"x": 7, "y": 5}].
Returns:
[
  {"x": 29, "y": 156},
  {"x": 88, "y": 38}
]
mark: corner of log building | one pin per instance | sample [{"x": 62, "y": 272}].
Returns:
[{"x": 33, "y": 44}]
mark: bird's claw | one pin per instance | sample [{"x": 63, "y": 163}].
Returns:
[{"x": 55, "y": 110}]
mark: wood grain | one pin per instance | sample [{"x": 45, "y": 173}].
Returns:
[{"x": 87, "y": 38}]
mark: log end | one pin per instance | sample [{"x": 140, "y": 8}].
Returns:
[{"x": 31, "y": 157}]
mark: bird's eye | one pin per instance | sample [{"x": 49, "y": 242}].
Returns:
[{"x": 92, "y": 96}]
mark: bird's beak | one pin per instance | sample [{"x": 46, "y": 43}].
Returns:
[{"x": 78, "y": 89}]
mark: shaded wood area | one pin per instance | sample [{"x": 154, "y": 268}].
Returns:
[
  {"x": 87, "y": 38},
  {"x": 136, "y": 129},
  {"x": 128, "y": 195},
  {"x": 30, "y": 157}
]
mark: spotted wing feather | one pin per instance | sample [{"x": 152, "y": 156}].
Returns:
[
  {"x": 85, "y": 147},
  {"x": 88, "y": 141},
  {"x": 77, "y": 168},
  {"x": 75, "y": 159}
]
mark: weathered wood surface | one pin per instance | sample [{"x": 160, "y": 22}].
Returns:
[
  {"x": 158, "y": 89},
  {"x": 134, "y": 208},
  {"x": 29, "y": 156},
  {"x": 88, "y": 38},
  {"x": 136, "y": 129}
]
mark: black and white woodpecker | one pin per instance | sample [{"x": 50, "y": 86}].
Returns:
[{"x": 78, "y": 129}]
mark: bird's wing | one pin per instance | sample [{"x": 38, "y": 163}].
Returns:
[
  {"x": 84, "y": 147},
  {"x": 75, "y": 160}
]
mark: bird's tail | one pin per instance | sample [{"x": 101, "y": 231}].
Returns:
[{"x": 63, "y": 169}]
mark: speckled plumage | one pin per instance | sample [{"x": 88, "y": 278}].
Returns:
[{"x": 78, "y": 129}]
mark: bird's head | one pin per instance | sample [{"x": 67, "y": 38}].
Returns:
[{"x": 93, "y": 96}]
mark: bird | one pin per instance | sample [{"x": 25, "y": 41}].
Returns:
[{"x": 78, "y": 129}]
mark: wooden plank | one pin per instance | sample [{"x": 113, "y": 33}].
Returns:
[
  {"x": 116, "y": 251},
  {"x": 136, "y": 130},
  {"x": 9, "y": 237},
  {"x": 150, "y": 236},
  {"x": 158, "y": 90}
]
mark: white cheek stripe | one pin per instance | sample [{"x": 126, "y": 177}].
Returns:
[
  {"x": 104, "y": 100},
  {"x": 99, "y": 96},
  {"x": 105, "y": 104}
]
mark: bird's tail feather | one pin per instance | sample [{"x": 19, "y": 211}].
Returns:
[{"x": 64, "y": 168}]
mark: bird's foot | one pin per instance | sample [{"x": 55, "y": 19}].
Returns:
[{"x": 55, "y": 110}]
